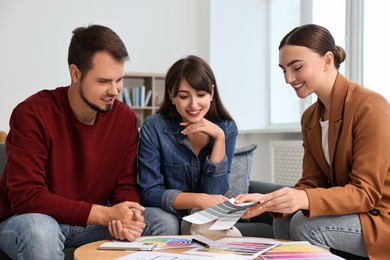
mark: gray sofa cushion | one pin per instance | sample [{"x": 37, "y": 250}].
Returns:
[{"x": 241, "y": 171}]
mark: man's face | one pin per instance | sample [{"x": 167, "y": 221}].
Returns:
[{"x": 100, "y": 86}]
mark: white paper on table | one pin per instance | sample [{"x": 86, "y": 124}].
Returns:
[{"x": 158, "y": 256}]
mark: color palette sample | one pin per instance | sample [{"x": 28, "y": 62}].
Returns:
[
  {"x": 168, "y": 242},
  {"x": 297, "y": 250},
  {"x": 223, "y": 209},
  {"x": 238, "y": 248}
]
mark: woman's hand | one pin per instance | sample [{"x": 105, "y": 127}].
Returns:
[
  {"x": 254, "y": 210},
  {"x": 284, "y": 200},
  {"x": 205, "y": 201},
  {"x": 203, "y": 126},
  {"x": 208, "y": 128}
]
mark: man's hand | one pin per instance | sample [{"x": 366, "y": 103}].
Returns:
[
  {"x": 118, "y": 231},
  {"x": 127, "y": 221},
  {"x": 125, "y": 218}
]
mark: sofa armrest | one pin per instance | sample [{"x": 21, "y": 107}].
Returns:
[{"x": 264, "y": 187}]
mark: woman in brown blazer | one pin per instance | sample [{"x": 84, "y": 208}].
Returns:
[{"x": 342, "y": 200}]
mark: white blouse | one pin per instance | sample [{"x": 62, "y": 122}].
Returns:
[{"x": 324, "y": 133}]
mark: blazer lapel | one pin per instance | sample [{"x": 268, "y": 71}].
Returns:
[
  {"x": 339, "y": 93},
  {"x": 313, "y": 133}
]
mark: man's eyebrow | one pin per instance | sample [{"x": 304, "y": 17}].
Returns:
[{"x": 109, "y": 79}]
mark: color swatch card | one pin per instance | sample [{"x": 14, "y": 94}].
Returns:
[
  {"x": 228, "y": 212},
  {"x": 240, "y": 247},
  {"x": 227, "y": 221},
  {"x": 167, "y": 242}
]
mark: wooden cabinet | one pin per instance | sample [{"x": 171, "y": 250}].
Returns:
[{"x": 138, "y": 86}]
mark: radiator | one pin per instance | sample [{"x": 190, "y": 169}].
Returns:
[{"x": 286, "y": 161}]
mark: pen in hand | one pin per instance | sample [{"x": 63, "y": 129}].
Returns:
[{"x": 200, "y": 243}]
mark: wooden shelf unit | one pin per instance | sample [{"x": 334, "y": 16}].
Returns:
[{"x": 153, "y": 82}]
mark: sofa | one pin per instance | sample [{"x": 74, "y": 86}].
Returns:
[{"x": 259, "y": 226}]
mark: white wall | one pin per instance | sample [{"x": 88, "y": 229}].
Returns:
[
  {"x": 35, "y": 36},
  {"x": 229, "y": 34},
  {"x": 238, "y": 33}
]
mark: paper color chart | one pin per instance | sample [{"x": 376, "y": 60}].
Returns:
[
  {"x": 239, "y": 248},
  {"x": 245, "y": 248},
  {"x": 218, "y": 211},
  {"x": 168, "y": 242},
  {"x": 297, "y": 250}
]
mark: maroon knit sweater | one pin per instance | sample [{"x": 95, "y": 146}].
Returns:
[{"x": 60, "y": 167}]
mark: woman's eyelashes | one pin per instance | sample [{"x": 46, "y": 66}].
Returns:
[
  {"x": 298, "y": 68},
  {"x": 295, "y": 69},
  {"x": 182, "y": 96},
  {"x": 199, "y": 95}
]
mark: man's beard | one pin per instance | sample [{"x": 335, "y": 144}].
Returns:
[{"x": 93, "y": 106}]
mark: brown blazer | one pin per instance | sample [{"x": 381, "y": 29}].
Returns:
[{"x": 358, "y": 178}]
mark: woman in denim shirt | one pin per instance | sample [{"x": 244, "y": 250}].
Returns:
[{"x": 186, "y": 149}]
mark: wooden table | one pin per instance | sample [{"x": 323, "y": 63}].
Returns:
[{"x": 91, "y": 251}]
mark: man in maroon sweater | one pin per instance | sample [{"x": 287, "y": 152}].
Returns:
[{"x": 72, "y": 150}]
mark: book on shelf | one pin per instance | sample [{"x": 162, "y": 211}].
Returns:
[
  {"x": 147, "y": 98},
  {"x": 126, "y": 96},
  {"x": 132, "y": 96},
  {"x": 137, "y": 96},
  {"x": 142, "y": 96}
]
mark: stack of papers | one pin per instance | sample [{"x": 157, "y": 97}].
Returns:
[
  {"x": 132, "y": 246},
  {"x": 231, "y": 248}
]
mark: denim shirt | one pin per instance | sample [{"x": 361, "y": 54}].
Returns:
[{"x": 168, "y": 165}]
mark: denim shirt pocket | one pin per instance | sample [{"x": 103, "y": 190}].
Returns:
[{"x": 177, "y": 176}]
